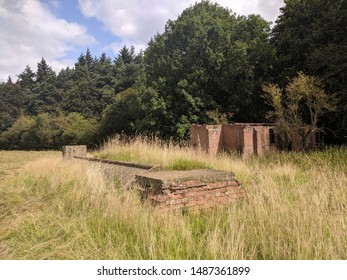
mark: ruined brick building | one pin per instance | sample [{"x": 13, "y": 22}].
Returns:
[{"x": 245, "y": 138}]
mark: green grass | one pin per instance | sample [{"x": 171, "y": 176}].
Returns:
[
  {"x": 296, "y": 208},
  {"x": 187, "y": 164}
]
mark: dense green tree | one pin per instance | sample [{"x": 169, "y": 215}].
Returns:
[
  {"x": 65, "y": 81},
  {"x": 126, "y": 55},
  {"x": 104, "y": 72},
  {"x": 12, "y": 103},
  {"x": 306, "y": 27},
  {"x": 104, "y": 79},
  {"x": 27, "y": 79},
  {"x": 310, "y": 36},
  {"x": 82, "y": 95},
  {"x": 133, "y": 111},
  {"x": 209, "y": 59},
  {"x": 19, "y": 135},
  {"x": 128, "y": 69},
  {"x": 46, "y": 131},
  {"x": 77, "y": 130},
  {"x": 49, "y": 131},
  {"x": 44, "y": 95},
  {"x": 206, "y": 67}
]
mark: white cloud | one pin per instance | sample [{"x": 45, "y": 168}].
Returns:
[
  {"x": 30, "y": 31},
  {"x": 268, "y": 9},
  {"x": 137, "y": 21}
]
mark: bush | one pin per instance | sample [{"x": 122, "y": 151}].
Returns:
[
  {"x": 49, "y": 131},
  {"x": 132, "y": 111}
]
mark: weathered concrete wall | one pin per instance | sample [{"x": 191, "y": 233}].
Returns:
[
  {"x": 124, "y": 172},
  {"x": 194, "y": 189},
  {"x": 70, "y": 152}
]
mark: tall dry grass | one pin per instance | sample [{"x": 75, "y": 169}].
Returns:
[
  {"x": 56, "y": 209},
  {"x": 296, "y": 208}
]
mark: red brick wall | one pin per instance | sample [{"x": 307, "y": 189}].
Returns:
[
  {"x": 232, "y": 137},
  {"x": 196, "y": 195},
  {"x": 297, "y": 143},
  {"x": 249, "y": 139},
  {"x": 199, "y": 136},
  {"x": 263, "y": 139},
  {"x": 215, "y": 141},
  {"x": 207, "y": 137}
]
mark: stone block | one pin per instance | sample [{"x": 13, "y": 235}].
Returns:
[{"x": 69, "y": 152}]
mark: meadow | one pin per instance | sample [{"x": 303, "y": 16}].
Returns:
[{"x": 50, "y": 208}]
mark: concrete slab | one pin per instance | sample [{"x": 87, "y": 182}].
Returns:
[{"x": 166, "y": 179}]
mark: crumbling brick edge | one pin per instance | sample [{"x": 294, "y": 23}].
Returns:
[{"x": 189, "y": 192}]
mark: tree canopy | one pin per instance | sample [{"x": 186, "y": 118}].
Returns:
[
  {"x": 210, "y": 59},
  {"x": 209, "y": 65},
  {"x": 310, "y": 36}
]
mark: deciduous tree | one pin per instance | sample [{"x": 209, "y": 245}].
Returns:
[
  {"x": 209, "y": 59},
  {"x": 298, "y": 109}
]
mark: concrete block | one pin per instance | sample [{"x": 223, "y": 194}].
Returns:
[{"x": 69, "y": 152}]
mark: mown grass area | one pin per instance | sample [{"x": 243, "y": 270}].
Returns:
[{"x": 296, "y": 208}]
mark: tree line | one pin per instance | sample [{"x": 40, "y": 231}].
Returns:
[{"x": 208, "y": 66}]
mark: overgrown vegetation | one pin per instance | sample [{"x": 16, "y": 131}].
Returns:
[
  {"x": 208, "y": 65},
  {"x": 298, "y": 110},
  {"x": 296, "y": 208},
  {"x": 49, "y": 131},
  {"x": 166, "y": 154}
]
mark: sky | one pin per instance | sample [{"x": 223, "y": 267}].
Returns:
[{"x": 60, "y": 30}]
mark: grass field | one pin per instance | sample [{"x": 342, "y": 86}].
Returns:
[{"x": 296, "y": 208}]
